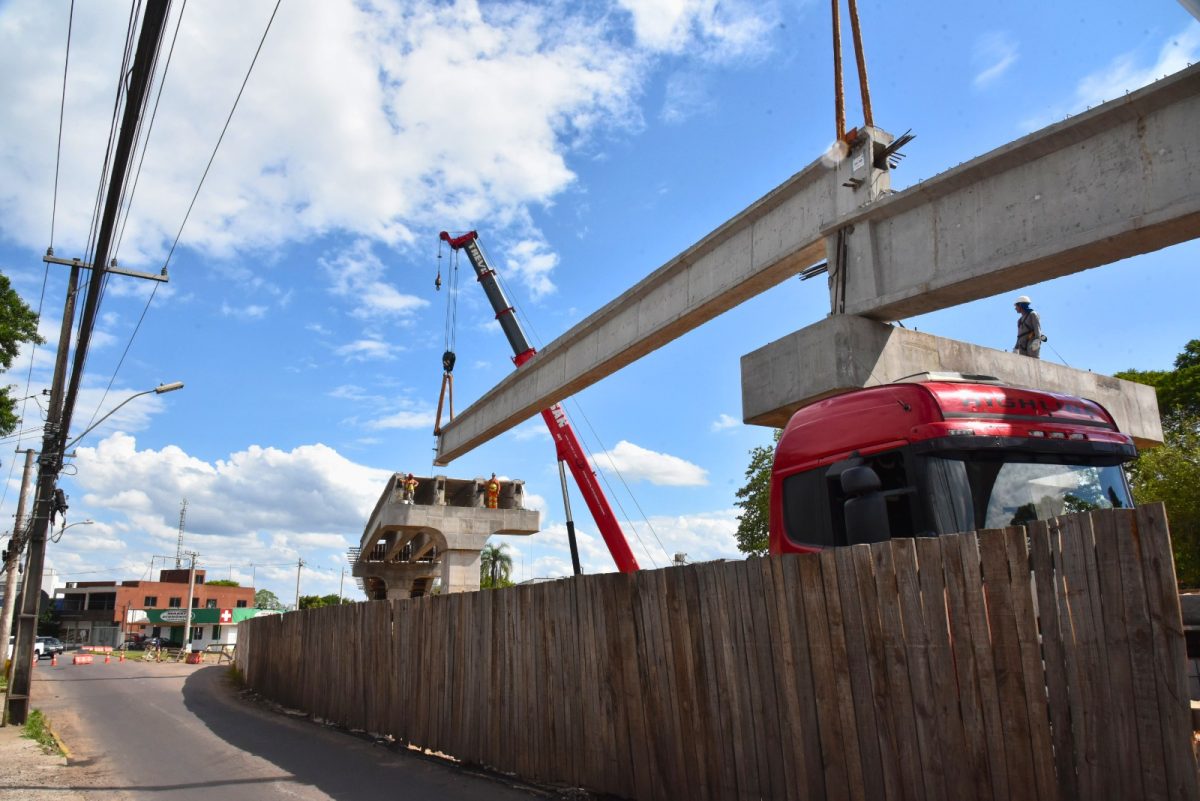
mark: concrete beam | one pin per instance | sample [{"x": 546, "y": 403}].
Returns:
[
  {"x": 846, "y": 352},
  {"x": 1107, "y": 184},
  {"x": 1104, "y": 185}
]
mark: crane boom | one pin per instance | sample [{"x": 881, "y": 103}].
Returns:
[{"x": 566, "y": 442}]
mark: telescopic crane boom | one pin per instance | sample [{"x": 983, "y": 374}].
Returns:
[{"x": 566, "y": 443}]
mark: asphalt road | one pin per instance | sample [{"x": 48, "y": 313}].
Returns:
[{"x": 174, "y": 732}]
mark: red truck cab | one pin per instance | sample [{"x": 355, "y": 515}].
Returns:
[{"x": 938, "y": 456}]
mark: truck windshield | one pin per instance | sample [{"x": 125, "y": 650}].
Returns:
[{"x": 967, "y": 494}]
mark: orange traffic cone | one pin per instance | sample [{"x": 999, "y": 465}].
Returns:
[
  {"x": 122, "y": 658},
  {"x": 107, "y": 658},
  {"x": 53, "y": 660}
]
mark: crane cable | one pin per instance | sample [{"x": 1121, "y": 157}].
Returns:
[
  {"x": 861, "y": 61},
  {"x": 448, "y": 357}
]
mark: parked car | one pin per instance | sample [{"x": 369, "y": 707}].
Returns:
[{"x": 48, "y": 646}]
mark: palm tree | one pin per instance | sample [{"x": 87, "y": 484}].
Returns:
[{"x": 495, "y": 566}]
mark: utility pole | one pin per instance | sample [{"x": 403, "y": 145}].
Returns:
[
  {"x": 12, "y": 557},
  {"x": 341, "y": 583},
  {"x": 49, "y": 464},
  {"x": 299, "y": 564},
  {"x": 179, "y": 540},
  {"x": 58, "y": 418},
  {"x": 187, "y": 626}
]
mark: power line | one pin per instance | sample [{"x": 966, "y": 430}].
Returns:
[
  {"x": 61, "y": 111},
  {"x": 221, "y": 138},
  {"x": 162, "y": 82}
]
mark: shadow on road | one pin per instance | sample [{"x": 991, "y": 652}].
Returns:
[{"x": 344, "y": 767}]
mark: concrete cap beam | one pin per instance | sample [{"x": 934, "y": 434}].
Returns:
[{"x": 845, "y": 352}]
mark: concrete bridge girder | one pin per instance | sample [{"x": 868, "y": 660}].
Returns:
[{"x": 1106, "y": 184}]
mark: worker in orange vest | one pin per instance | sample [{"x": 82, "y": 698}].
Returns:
[
  {"x": 493, "y": 492},
  {"x": 410, "y": 488}
]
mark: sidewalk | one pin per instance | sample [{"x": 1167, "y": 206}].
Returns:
[{"x": 29, "y": 774}]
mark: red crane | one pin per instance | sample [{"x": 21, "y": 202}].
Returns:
[{"x": 566, "y": 443}]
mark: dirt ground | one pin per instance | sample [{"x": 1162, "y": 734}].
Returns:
[{"x": 27, "y": 773}]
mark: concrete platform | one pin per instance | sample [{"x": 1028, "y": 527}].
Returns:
[
  {"x": 437, "y": 533},
  {"x": 846, "y": 352}
]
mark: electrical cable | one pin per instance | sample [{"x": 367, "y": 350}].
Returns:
[
  {"x": 162, "y": 82},
  {"x": 61, "y": 112},
  {"x": 222, "y": 136}
]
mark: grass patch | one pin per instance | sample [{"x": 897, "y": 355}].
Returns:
[
  {"x": 37, "y": 728},
  {"x": 235, "y": 677}
]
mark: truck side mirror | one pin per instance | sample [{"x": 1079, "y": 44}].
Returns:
[{"x": 865, "y": 509}]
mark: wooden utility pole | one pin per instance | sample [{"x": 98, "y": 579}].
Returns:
[{"x": 12, "y": 557}]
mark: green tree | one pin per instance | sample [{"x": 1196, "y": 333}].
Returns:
[
  {"x": 18, "y": 325},
  {"x": 221, "y": 583},
  {"x": 495, "y": 567},
  {"x": 754, "y": 499},
  {"x": 265, "y": 599},
  {"x": 1171, "y": 472}
]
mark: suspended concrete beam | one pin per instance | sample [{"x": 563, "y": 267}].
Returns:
[
  {"x": 846, "y": 352},
  {"x": 1107, "y": 184}
]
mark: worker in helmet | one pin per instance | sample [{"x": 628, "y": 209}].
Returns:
[
  {"x": 410, "y": 488},
  {"x": 1029, "y": 329},
  {"x": 492, "y": 489}
]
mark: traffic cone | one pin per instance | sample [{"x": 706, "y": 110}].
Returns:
[
  {"x": 122, "y": 658},
  {"x": 53, "y": 660},
  {"x": 107, "y": 658}
]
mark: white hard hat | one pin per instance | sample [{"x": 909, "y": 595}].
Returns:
[{"x": 1023, "y": 299}]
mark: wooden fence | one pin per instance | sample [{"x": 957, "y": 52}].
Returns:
[{"x": 991, "y": 665}]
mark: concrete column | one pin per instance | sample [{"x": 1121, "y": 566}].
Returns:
[{"x": 460, "y": 571}]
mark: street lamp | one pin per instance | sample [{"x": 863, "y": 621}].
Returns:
[
  {"x": 159, "y": 390},
  {"x": 72, "y": 525}
]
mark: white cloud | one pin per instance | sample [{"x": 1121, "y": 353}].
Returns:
[
  {"x": 1124, "y": 74},
  {"x": 723, "y": 30},
  {"x": 250, "y": 311},
  {"x": 310, "y": 490},
  {"x": 404, "y": 419},
  {"x": 362, "y": 350},
  {"x": 356, "y": 274},
  {"x": 93, "y": 403},
  {"x": 686, "y": 96},
  {"x": 530, "y": 431},
  {"x": 993, "y": 54},
  {"x": 725, "y": 422},
  {"x": 635, "y": 463},
  {"x": 533, "y": 261}
]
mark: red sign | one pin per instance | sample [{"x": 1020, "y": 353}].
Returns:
[{"x": 226, "y": 615}]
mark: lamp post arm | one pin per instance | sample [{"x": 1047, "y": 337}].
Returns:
[{"x": 160, "y": 389}]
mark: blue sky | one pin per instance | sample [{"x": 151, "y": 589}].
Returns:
[{"x": 588, "y": 144}]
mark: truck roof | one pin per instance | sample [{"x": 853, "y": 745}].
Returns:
[{"x": 883, "y": 416}]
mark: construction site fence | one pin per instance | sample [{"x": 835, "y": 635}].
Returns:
[{"x": 1045, "y": 662}]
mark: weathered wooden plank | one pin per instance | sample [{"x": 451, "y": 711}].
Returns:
[
  {"x": 658, "y": 747},
  {"x": 783, "y": 663},
  {"x": 689, "y": 723},
  {"x": 835, "y": 742},
  {"x": 742, "y": 629},
  {"x": 1033, "y": 677},
  {"x": 966, "y": 667},
  {"x": 1014, "y": 709},
  {"x": 850, "y": 660},
  {"x": 875, "y": 666},
  {"x": 1170, "y": 655},
  {"x": 912, "y": 775},
  {"x": 956, "y": 758},
  {"x": 1152, "y": 759},
  {"x": 731, "y": 666},
  {"x": 920, "y": 683},
  {"x": 809, "y": 730},
  {"x": 1124, "y": 775},
  {"x": 1041, "y": 535},
  {"x": 719, "y": 764},
  {"x": 1108, "y": 742}
]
